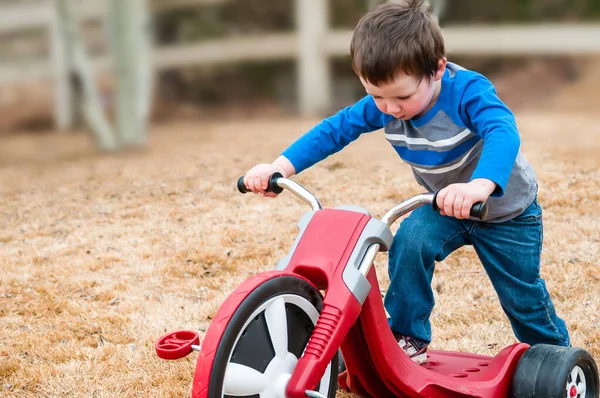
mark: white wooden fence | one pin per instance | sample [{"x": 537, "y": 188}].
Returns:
[{"x": 311, "y": 45}]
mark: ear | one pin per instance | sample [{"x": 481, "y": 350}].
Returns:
[{"x": 441, "y": 69}]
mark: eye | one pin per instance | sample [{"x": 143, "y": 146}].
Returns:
[{"x": 403, "y": 98}]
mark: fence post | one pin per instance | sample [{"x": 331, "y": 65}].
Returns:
[
  {"x": 314, "y": 81},
  {"x": 130, "y": 47},
  {"x": 61, "y": 65}
]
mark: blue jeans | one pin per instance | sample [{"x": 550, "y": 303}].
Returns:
[{"x": 510, "y": 253}]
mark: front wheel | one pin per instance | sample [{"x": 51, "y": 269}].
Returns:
[
  {"x": 263, "y": 340},
  {"x": 555, "y": 372}
]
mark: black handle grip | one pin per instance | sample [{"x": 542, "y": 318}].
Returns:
[
  {"x": 273, "y": 187},
  {"x": 241, "y": 186},
  {"x": 478, "y": 210}
]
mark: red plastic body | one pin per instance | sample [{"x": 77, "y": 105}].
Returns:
[
  {"x": 321, "y": 256},
  {"x": 376, "y": 366}
]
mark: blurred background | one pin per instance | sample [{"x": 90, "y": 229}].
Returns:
[
  {"x": 125, "y": 123},
  {"x": 72, "y": 64}
]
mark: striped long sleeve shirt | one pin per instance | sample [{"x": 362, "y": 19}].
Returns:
[{"x": 468, "y": 133}]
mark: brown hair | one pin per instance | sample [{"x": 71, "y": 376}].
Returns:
[{"x": 396, "y": 37}]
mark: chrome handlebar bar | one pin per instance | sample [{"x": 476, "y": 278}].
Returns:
[{"x": 277, "y": 183}]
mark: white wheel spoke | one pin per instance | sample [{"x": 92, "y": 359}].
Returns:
[
  {"x": 574, "y": 373},
  {"x": 240, "y": 380},
  {"x": 577, "y": 383},
  {"x": 277, "y": 324},
  {"x": 243, "y": 380}
]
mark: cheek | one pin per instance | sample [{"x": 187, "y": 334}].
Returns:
[
  {"x": 409, "y": 106},
  {"x": 381, "y": 106},
  {"x": 418, "y": 103},
  {"x": 426, "y": 96}
]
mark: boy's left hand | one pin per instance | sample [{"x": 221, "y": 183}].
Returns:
[{"x": 456, "y": 200}]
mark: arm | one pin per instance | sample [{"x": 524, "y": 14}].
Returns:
[
  {"x": 334, "y": 133},
  {"x": 486, "y": 114},
  {"x": 483, "y": 112},
  {"x": 326, "y": 138}
]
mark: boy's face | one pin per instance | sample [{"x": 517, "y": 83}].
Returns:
[{"x": 407, "y": 96}]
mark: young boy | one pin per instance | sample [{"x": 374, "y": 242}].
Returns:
[{"x": 450, "y": 126}]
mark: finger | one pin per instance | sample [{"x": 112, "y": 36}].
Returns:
[
  {"x": 441, "y": 196},
  {"x": 264, "y": 181},
  {"x": 466, "y": 208},
  {"x": 270, "y": 195},
  {"x": 449, "y": 204},
  {"x": 249, "y": 182},
  {"x": 257, "y": 185},
  {"x": 457, "y": 206}
]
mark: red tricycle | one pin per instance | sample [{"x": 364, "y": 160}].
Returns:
[{"x": 277, "y": 336}]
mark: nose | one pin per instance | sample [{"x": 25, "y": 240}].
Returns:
[{"x": 392, "y": 107}]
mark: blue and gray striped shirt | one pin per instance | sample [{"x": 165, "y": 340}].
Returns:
[{"x": 469, "y": 133}]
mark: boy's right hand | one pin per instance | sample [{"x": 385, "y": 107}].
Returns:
[{"x": 257, "y": 178}]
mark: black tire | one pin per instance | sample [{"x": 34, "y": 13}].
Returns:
[
  {"x": 247, "y": 340},
  {"x": 555, "y": 372}
]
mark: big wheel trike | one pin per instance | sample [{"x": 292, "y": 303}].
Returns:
[{"x": 277, "y": 336}]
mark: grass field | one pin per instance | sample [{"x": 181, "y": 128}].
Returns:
[{"x": 102, "y": 254}]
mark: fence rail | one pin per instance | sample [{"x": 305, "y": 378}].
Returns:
[
  {"x": 312, "y": 44},
  {"x": 474, "y": 40},
  {"x": 24, "y": 16}
]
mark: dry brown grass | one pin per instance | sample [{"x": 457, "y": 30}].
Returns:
[{"x": 100, "y": 255}]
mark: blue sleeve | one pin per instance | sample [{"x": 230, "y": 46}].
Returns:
[
  {"x": 335, "y": 132},
  {"x": 484, "y": 113}
]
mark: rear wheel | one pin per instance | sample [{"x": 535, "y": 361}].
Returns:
[
  {"x": 264, "y": 338},
  {"x": 555, "y": 372}
]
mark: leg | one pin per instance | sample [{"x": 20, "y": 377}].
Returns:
[
  {"x": 423, "y": 238},
  {"x": 510, "y": 253}
]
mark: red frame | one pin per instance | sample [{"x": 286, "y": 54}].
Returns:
[{"x": 376, "y": 366}]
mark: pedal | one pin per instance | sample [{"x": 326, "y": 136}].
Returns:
[{"x": 176, "y": 345}]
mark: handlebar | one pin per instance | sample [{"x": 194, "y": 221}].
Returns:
[
  {"x": 478, "y": 210},
  {"x": 272, "y": 187},
  {"x": 277, "y": 183}
]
